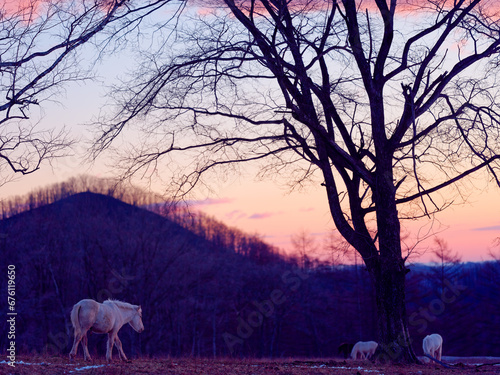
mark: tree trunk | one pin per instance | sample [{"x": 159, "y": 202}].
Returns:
[
  {"x": 389, "y": 274},
  {"x": 395, "y": 343}
]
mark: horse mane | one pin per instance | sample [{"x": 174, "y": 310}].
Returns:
[{"x": 121, "y": 304}]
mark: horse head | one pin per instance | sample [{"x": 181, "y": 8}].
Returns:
[{"x": 136, "y": 322}]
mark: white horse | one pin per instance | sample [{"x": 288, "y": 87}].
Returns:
[
  {"x": 433, "y": 345},
  {"x": 107, "y": 317},
  {"x": 364, "y": 349}
]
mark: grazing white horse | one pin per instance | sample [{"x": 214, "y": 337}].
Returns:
[
  {"x": 433, "y": 345},
  {"x": 364, "y": 349},
  {"x": 107, "y": 317}
]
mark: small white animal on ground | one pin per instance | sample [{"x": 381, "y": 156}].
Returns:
[
  {"x": 364, "y": 349},
  {"x": 433, "y": 345}
]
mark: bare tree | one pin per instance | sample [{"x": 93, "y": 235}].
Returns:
[
  {"x": 444, "y": 254},
  {"x": 446, "y": 261},
  {"x": 339, "y": 251},
  {"x": 386, "y": 102},
  {"x": 39, "y": 44},
  {"x": 37, "y": 56},
  {"x": 305, "y": 247},
  {"x": 494, "y": 251}
]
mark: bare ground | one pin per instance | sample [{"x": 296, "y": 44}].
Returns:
[{"x": 58, "y": 365}]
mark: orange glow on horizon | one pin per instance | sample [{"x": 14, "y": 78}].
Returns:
[{"x": 264, "y": 209}]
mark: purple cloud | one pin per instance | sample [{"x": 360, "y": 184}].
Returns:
[
  {"x": 236, "y": 215},
  {"x": 494, "y": 227},
  {"x": 263, "y": 215},
  {"x": 208, "y": 201}
]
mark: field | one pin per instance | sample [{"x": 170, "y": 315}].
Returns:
[{"x": 60, "y": 365}]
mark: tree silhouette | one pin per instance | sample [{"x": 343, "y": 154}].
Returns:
[
  {"x": 446, "y": 261},
  {"x": 304, "y": 247},
  {"x": 40, "y": 43},
  {"x": 385, "y": 103}
]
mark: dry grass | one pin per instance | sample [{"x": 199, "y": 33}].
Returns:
[{"x": 58, "y": 365}]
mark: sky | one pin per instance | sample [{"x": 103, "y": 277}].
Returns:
[
  {"x": 274, "y": 213},
  {"x": 264, "y": 207}
]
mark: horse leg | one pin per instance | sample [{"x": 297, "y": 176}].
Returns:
[
  {"x": 438, "y": 353},
  {"x": 109, "y": 348},
  {"x": 118, "y": 345},
  {"x": 76, "y": 341},
  {"x": 85, "y": 345}
]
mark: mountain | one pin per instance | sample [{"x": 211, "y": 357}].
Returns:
[
  {"x": 93, "y": 246},
  {"x": 214, "y": 291}
]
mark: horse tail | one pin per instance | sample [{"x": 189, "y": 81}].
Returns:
[{"x": 75, "y": 317}]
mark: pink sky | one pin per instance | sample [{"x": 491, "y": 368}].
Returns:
[
  {"x": 266, "y": 209},
  {"x": 263, "y": 207}
]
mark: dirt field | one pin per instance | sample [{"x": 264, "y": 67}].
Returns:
[{"x": 59, "y": 366}]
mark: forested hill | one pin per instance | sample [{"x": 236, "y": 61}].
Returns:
[
  {"x": 212, "y": 291},
  {"x": 91, "y": 245}
]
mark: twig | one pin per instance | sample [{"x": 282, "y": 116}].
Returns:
[
  {"x": 438, "y": 361},
  {"x": 488, "y": 364}
]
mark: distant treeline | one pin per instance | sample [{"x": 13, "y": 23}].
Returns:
[
  {"x": 214, "y": 291},
  {"x": 43, "y": 196},
  {"x": 219, "y": 235}
]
